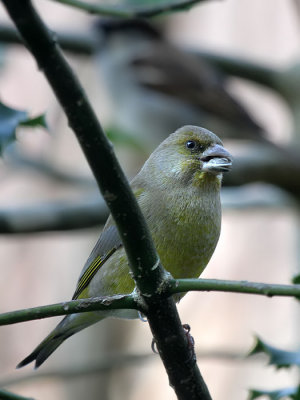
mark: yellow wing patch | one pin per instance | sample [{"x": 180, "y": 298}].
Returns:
[{"x": 91, "y": 272}]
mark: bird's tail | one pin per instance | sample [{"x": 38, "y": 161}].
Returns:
[{"x": 66, "y": 328}]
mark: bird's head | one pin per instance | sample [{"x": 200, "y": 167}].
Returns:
[{"x": 192, "y": 155}]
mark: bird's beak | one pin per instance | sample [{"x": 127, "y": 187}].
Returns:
[{"x": 216, "y": 159}]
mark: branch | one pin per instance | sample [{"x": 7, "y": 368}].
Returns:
[
  {"x": 172, "y": 343},
  {"x": 246, "y": 69},
  {"x": 55, "y": 216},
  {"x": 141, "y": 11},
  {"x": 70, "y": 307},
  {"x": 115, "y": 362},
  {"x": 273, "y": 166},
  {"x": 74, "y": 42},
  {"x": 130, "y": 301},
  {"x": 264, "y": 289},
  {"x": 61, "y": 215},
  {"x": 14, "y": 158},
  {"x": 257, "y": 196},
  {"x": 285, "y": 82},
  {"x": 109, "y": 363}
]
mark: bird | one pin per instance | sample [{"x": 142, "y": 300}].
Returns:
[
  {"x": 178, "y": 191},
  {"x": 154, "y": 85}
]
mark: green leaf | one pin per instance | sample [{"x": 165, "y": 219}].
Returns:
[
  {"x": 296, "y": 395},
  {"x": 275, "y": 394},
  {"x": 10, "y": 119},
  {"x": 40, "y": 120},
  {"x": 279, "y": 358},
  {"x": 296, "y": 279}
]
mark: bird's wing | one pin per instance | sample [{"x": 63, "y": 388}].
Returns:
[{"x": 108, "y": 242}]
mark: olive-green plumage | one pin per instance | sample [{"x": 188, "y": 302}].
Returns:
[{"x": 178, "y": 190}]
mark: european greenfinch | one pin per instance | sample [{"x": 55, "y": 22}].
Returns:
[{"x": 178, "y": 190}]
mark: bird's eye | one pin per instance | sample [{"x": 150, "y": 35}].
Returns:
[{"x": 190, "y": 144}]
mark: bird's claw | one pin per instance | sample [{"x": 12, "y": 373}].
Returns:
[
  {"x": 191, "y": 342},
  {"x": 154, "y": 346}
]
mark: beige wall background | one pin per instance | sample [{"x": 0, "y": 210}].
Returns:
[{"x": 256, "y": 244}]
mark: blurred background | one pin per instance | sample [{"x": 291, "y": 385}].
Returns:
[{"x": 144, "y": 82}]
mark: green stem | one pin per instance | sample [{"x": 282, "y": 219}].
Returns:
[
  {"x": 69, "y": 307},
  {"x": 264, "y": 289}
]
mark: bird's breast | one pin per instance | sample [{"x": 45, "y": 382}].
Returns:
[{"x": 185, "y": 227}]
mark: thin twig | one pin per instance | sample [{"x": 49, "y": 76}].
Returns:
[
  {"x": 264, "y": 289},
  {"x": 70, "y": 307}
]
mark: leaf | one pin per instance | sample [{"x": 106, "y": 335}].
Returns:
[
  {"x": 275, "y": 394},
  {"x": 296, "y": 279},
  {"x": 10, "y": 119},
  {"x": 279, "y": 358},
  {"x": 40, "y": 120},
  {"x": 296, "y": 395}
]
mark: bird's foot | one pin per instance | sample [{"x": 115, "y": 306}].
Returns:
[{"x": 191, "y": 342}]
